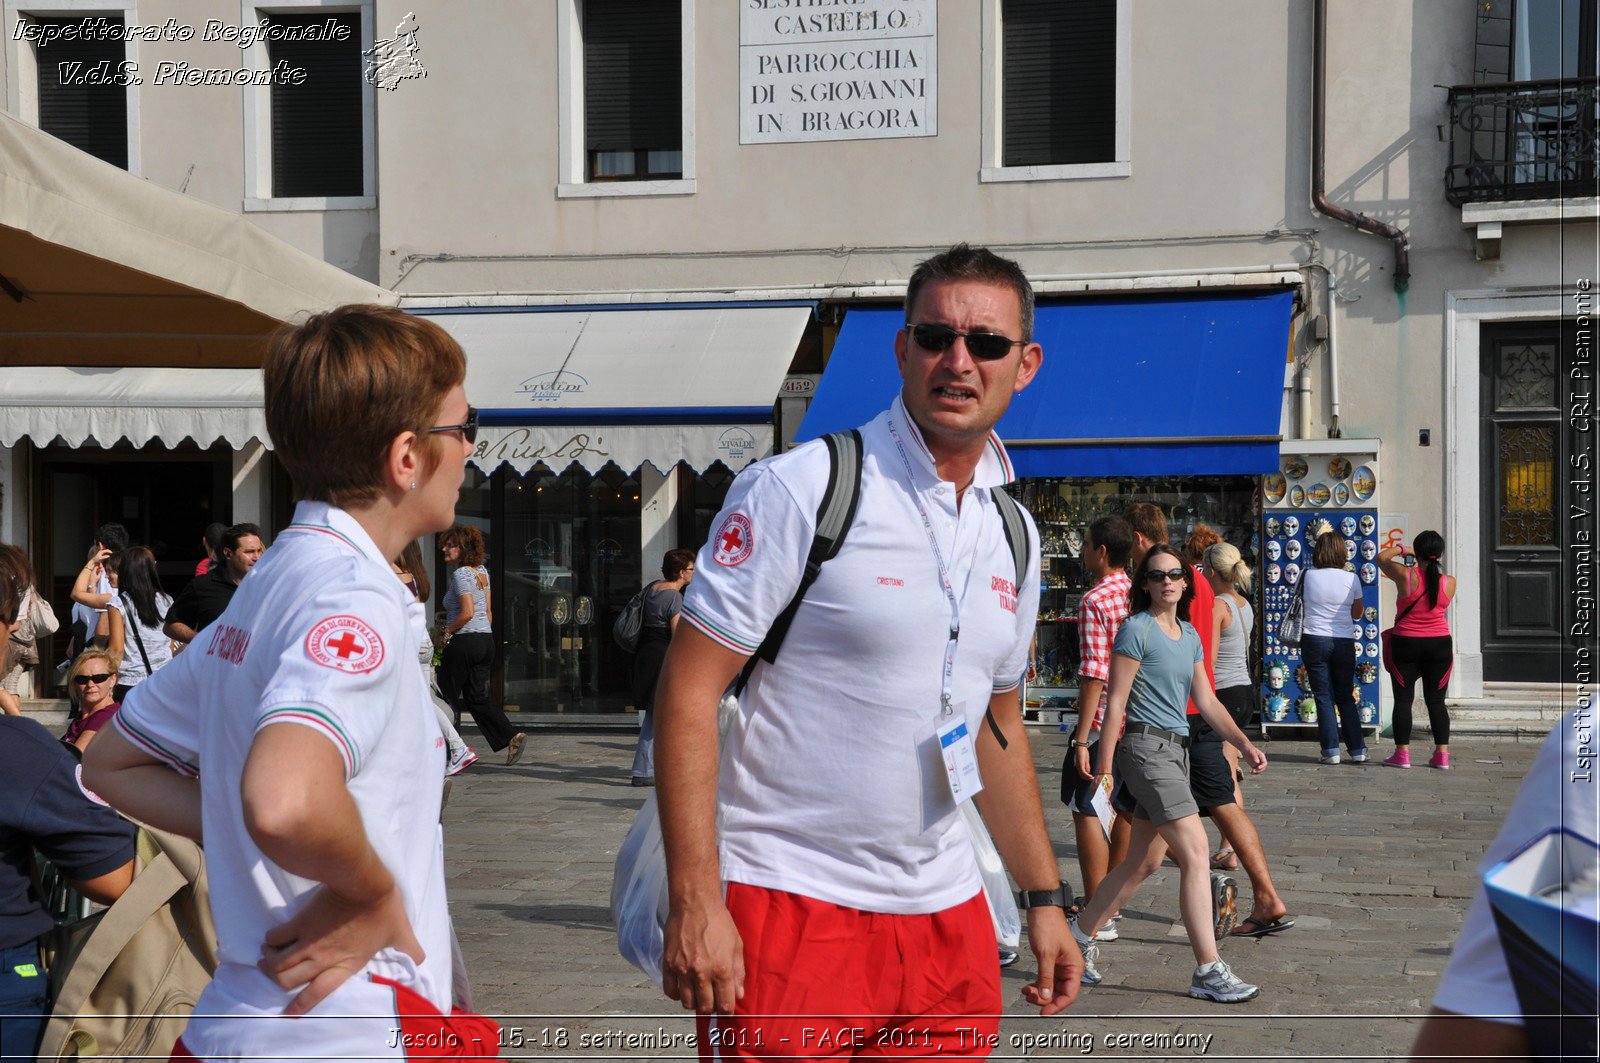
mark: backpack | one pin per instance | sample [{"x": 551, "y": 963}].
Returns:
[
  {"x": 835, "y": 514},
  {"x": 125, "y": 980},
  {"x": 630, "y": 622}
]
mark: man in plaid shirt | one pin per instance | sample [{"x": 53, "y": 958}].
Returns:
[{"x": 1107, "y": 549}]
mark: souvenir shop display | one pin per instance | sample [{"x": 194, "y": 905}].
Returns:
[
  {"x": 1063, "y": 509},
  {"x": 1324, "y": 489}
]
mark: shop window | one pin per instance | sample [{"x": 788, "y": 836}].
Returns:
[
  {"x": 82, "y": 81},
  {"x": 569, "y": 562},
  {"x": 628, "y": 97},
  {"x": 1061, "y": 72},
  {"x": 310, "y": 128}
]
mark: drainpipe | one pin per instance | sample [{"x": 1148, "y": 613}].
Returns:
[
  {"x": 1319, "y": 114},
  {"x": 1334, "y": 431}
]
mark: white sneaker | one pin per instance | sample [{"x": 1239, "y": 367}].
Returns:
[
  {"x": 1328, "y": 758},
  {"x": 1107, "y": 933},
  {"x": 1091, "y": 954},
  {"x": 1221, "y": 984},
  {"x": 460, "y": 761}
]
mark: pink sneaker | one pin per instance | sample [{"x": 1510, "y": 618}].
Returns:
[
  {"x": 1401, "y": 759},
  {"x": 1440, "y": 759}
]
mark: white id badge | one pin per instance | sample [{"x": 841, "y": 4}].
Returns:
[{"x": 960, "y": 759}]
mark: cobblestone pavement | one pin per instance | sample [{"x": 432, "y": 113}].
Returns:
[{"x": 1376, "y": 864}]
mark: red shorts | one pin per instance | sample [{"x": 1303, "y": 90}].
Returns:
[
  {"x": 426, "y": 1033},
  {"x": 827, "y": 982}
]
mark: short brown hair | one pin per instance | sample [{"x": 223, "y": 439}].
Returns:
[
  {"x": 674, "y": 561},
  {"x": 966, "y": 263},
  {"x": 1201, "y": 539},
  {"x": 467, "y": 539},
  {"x": 343, "y": 385},
  {"x": 1147, "y": 520},
  {"x": 1329, "y": 551}
]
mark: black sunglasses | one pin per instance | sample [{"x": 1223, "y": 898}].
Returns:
[
  {"x": 85, "y": 680},
  {"x": 1156, "y": 575},
  {"x": 985, "y": 346},
  {"x": 467, "y": 428}
]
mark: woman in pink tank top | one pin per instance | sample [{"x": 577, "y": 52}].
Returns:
[{"x": 1419, "y": 646}]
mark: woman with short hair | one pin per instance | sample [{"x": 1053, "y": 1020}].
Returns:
[
  {"x": 90, "y": 681},
  {"x": 1332, "y": 603},
  {"x": 321, "y": 789},
  {"x": 1419, "y": 644},
  {"x": 469, "y": 642}
]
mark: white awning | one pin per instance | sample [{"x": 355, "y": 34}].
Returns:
[
  {"x": 136, "y": 404},
  {"x": 628, "y": 386},
  {"x": 99, "y": 267}
]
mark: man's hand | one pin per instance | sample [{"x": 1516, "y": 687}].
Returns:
[
  {"x": 702, "y": 966},
  {"x": 1060, "y": 962},
  {"x": 1254, "y": 757},
  {"x": 331, "y": 939}
]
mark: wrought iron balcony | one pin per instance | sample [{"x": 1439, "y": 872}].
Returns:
[{"x": 1522, "y": 140}]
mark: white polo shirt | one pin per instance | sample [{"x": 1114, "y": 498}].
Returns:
[
  {"x": 833, "y": 785},
  {"x": 321, "y": 636}
]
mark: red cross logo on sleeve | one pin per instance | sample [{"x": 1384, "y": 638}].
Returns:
[
  {"x": 734, "y": 540},
  {"x": 345, "y": 644}
]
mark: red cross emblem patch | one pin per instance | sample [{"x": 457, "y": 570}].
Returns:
[
  {"x": 345, "y": 644},
  {"x": 734, "y": 540}
]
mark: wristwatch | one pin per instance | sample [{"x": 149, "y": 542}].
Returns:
[
  {"x": 1079, "y": 745},
  {"x": 1042, "y": 898}
]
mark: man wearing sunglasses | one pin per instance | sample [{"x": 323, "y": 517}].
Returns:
[{"x": 851, "y": 886}]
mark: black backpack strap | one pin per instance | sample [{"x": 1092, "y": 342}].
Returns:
[
  {"x": 834, "y": 516},
  {"x": 1016, "y": 529}
]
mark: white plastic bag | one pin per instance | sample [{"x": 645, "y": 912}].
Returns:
[
  {"x": 639, "y": 892},
  {"x": 639, "y": 881},
  {"x": 996, "y": 887}
]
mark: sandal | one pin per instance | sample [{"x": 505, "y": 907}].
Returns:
[{"x": 1225, "y": 860}]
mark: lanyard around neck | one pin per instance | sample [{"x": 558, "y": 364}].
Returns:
[{"x": 947, "y": 680}]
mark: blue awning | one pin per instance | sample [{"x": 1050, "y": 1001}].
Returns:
[{"x": 1139, "y": 386}]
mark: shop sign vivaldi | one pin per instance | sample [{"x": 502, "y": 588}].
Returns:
[{"x": 628, "y": 446}]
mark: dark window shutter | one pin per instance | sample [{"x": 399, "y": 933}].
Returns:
[
  {"x": 1059, "y": 82},
  {"x": 316, "y": 125},
  {"x": 632, "y": 75},
  {"x": 92, "y": 118}
]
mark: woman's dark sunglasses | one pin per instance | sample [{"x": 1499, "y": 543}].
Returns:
[
  {"x": 85, "y": 680},
  {"x": 985, "y": 346},
  {"x": 1156, "y": 575},
  {"x": 467, "y": 428}
]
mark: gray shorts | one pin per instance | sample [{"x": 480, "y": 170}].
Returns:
[{"x": 1155, "y": 771}]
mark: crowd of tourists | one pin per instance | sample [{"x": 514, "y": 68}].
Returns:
[{"x": 817, "y": 855}]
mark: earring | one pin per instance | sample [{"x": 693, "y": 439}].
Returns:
[{"x": 413, "y": 485}]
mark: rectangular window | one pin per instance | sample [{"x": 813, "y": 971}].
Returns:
[
  {"x": 317, "y": 133},
  {"x": 632, "y": 90},
  {"x": 1058, "y": 82},
  {"x": 83, "y": 95}
]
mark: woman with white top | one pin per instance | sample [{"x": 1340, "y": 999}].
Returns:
[
  {"x": 469, "y": 642},
  {"x": 137, "y": 613},
  {"x": 1333, "y": 602}
]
